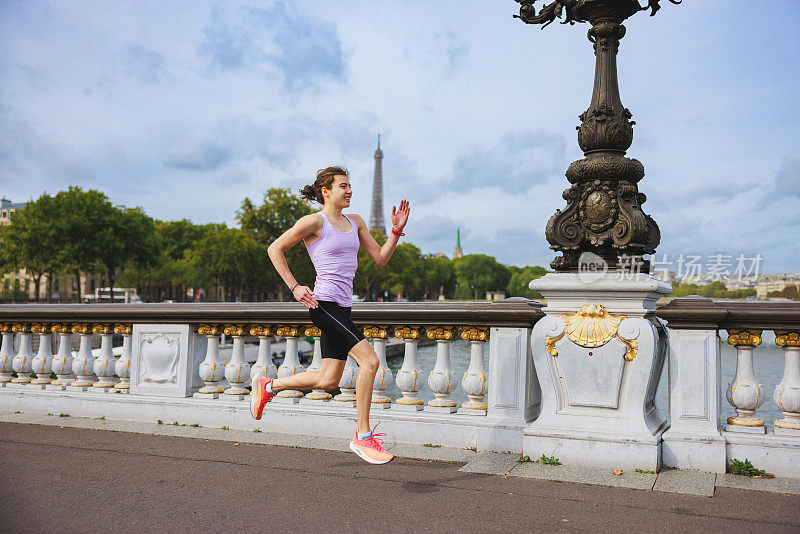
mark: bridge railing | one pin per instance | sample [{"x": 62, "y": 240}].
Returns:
[
  {"x": 170, "y": 369},
  {"x": 698, "y": 438},
  {"x": 170, "y": 358}
]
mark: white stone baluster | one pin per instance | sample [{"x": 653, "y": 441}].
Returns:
[
  {"x": 238, "y": 370},
  {"x": 211, "y": 369},
  {"x": 347, "y": 384},
  {"x": 291, "y": 362},
  {"x": 83, "y": 364},
  {"x": 24, "y": 357},
  {"x": 62, "y": 361},
  {"x": 264, "y": 365},
  {"x": 442, "y": 379},
  {"x": 6, "y": 354},
  {"x": 105, "y": 363},
  {"x": 787, "y": 393},
  {"x": 383, "y": 378},
  {"x": 42, "y": 362},
  {"x": 410, "y": 377},
  {"x": 316, "y": 365},
  {"x": 474, "y": 381},
  {"x": 123, "y": 365},
  {"x": 745, "y": 393}
]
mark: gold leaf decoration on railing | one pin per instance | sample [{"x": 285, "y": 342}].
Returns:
[
  {"x": 442, "y": 333},
  {"x": 209, "y": 329},
  {"x": 235, "y": 329},
  {"x": 120, "y": 328},
  {"x": 632, "y": 347},
  {"x": 61, "y": 328},
  {"x": 101, "y": 328},
  {"x": 787, "y": 338},
  {"x": 289, "y": 330},
  {"x": 82, "y": 328},
  {"x": 41, "y": 328},
  {"x": 592, "y": 325},
  {"x": 475, "y": 333},
  {"x": 21, "y": 328},
  {"x": 6, "y": 328},
  {"x": 550, "y": 344},
  {"x": 313, "y": 331},
  {"x": 262, "y": 330},
  {"x": 409, "y": 332},
  {"x": 380, "y": 332},
  {"x": 744, "y": 338}
]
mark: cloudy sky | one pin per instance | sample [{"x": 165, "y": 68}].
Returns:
[{"x": 186, "y": 108}]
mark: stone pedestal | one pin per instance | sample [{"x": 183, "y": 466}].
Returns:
[
  {"x": 165, "y": 359},
  {"x": 598, "y": 355},
  {"x": 693, "y": 440}
]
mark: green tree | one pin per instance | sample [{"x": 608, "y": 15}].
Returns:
[
  {"x": 439, "y": 277},
  {"x": 30, "y": 242},
  {"x": 279, "y": 211},
  {"x": 520, "y": 278},
  {"x": 371, "y": 279},
  {"x": 478, "y": 273},
  {"x": 405, "y": 271}
]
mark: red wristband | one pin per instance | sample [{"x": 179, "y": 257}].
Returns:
[{"x": 397, "y": 232}]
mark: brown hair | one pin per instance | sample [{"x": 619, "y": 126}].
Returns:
[{"x": 324, "y": 179}]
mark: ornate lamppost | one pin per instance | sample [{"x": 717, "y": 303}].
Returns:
[
  {"x": 604, "y": 206},
  {"x": 599, "y": 351}
]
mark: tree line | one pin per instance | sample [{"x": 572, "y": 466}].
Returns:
[{"x": 76, "y": 232}]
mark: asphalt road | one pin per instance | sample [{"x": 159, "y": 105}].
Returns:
[{"x": 57, "y": 479}]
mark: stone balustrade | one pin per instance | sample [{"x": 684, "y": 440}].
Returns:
[{"x": 170, "y": 368}]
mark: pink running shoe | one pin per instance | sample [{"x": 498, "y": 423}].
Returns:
[
  {"x": 370, "y": 449},
  {"x": 259, "y": 396}
]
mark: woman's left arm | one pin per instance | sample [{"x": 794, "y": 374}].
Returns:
[{"x": 381, "y": 254}]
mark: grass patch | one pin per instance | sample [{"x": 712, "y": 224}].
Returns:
[
  {"x": 18, "y": 411},
  {"x": 195, "y": 425},
  {"x": 647, "y": 471},
  {"x": 431, "y": 445},
  {"x": 524, "y": 459},
  {"x": 552, "y": 460},
  {"x": 49, "y": 414},
  {"x": 101, "y": 418},
  {"x": 746, "y": 468},
  {"x": 160, "y": 422},
  {"x": 225, "y": 428},
  {"x": 256, "y": 431},
  {"x": 63, "y": 415}
]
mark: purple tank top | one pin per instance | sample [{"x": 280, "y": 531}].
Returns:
[{"x": 335, "y": 258}]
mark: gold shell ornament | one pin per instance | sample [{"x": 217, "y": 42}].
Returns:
[{"x": 591, "y": 325}]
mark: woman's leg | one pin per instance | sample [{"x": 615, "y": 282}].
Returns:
[
  {"x": 326, "y": 378},
  {"x": 367, "y": 361}
]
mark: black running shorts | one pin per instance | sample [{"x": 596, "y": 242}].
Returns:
[{"x": 339, "y": 333}]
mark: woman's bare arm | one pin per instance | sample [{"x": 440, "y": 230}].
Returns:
[
  {"x": 306, "y": 226},
  {"x": 381, "y": 254}
]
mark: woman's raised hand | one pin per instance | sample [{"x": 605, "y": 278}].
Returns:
[
  {"x": 400, "y": 216},
  {"x": 304, "y": 295}
]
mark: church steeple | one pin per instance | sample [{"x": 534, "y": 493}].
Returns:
[
  {"x": 457, "y": 252},
  {"x": 376, "y": 214}
]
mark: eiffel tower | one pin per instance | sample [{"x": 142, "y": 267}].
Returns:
[{"x": 376, "y": 215}]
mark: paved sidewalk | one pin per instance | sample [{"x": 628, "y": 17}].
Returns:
[{"x": 76, "y": 479}]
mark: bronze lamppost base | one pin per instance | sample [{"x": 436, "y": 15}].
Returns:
[{"x": 604, "y": 206}]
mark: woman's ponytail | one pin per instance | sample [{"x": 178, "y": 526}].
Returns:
[{"x": 324, "y": 179}]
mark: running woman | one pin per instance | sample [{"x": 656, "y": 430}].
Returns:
[{"x": 332, "y": 240}]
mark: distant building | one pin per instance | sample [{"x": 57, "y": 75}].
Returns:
[
  {"x": 767, "y": 283},
  {"x": 457, "y": 252},
  {"x": 376, "y": 214},
  {"x": 7, "y": 208}
]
